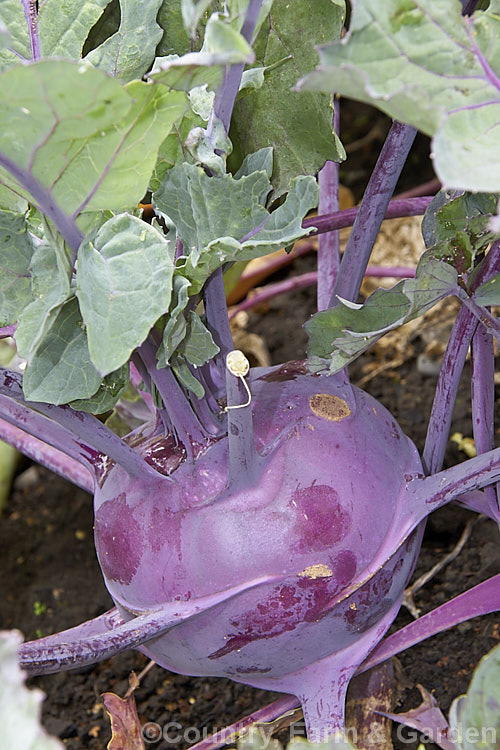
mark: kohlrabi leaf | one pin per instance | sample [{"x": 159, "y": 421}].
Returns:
[
  {"x": 281, "y": 229},
  {"x": 172, "y": 149},
  {"x": 210, "y": 150},
  {"x": 129, "y": 52},
  {"x": 192, "y": 13},
  {"x": 457, "y": 226},
  {"x": 51, "y": 271},
  {"x": 297, "y": 126},
  {"x": 203, "y": 208},
  {"x": 18, "y": 47},
  {"x": 124, "y": 281},
  {"x": 339, "y": 335},
  {"x": 60, "y": 369},
  {"x": 20, "y": 709},
  {"x": 221, "y": 219},
  {"x": 110, "y": 390},
  {"x": 475, "y": 717},
  {"x": 222, "y": 46},
  {"x": 489, "y": 292},
  {"x": 80, "y": 135},
  {"x": 198, "y": 347},
  {"x": 186, "y": 377},
  {"x": 425, "y": 64},
  {"x": 175, "y": 39},
  {"x": 176, "y": 325},
  {"x": 16, "y": 250},
  {"x": 63, "y": 26},
  {"x": 260, "y": 161}
]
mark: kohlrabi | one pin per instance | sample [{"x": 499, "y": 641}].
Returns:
[{"x": 260, "y": 524}]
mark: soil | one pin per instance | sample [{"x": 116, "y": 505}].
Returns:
[{"x": 52, "y": 581}]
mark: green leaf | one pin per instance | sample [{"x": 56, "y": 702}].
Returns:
[
  {"x": 19, "y": 45},
  {"x": 425, "y": 64},
  {"x": 51, "y": 271},
  {"x": 475, "y": 717},
  {"x": 124, "y": 281},
  {"x": 297, "y": 126},
  {"x": 339, "y": 335},
  {"x": 488, "y": 293},
  {"x": 176, "y": 325},
  {"x": 172, "y": 149},
  {"x": 198, "y": 346},
  {"x": 203, "y": 208},
  {"x": 186, "y": 378},
  {"x": 105, "y": 398},
  {"x": 128, "y": 54},
  {"x": 61, "y": 370},
  {"x": 222, "y": 46},
  {"x": 175, "y": 39},
  {"x": 457, "y": 226},
  {"x": 16, "y": 249},
  {"x": 260, "y": 161},
  {"x": 210, "y": 150},
  {"x": 85, "y": 138},
  {"x": 192, "y": 13},
  {"x": 64, "y": 25}
]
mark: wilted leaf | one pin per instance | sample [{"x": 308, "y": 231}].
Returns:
[
  {"x": 125, "y": 725},
  {"x": 428, "y": 719},
  {"x": 124, "y": 282},
  {"x": 426, "y": 64},
  {"x": 297, "y": 126}
]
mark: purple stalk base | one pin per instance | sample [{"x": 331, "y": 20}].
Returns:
[
  {"x": 109, "y": 634},
  {"x": 180, "y": 413},
  {"x": 44, "y": 454},
  {"x": 44, "y": 201},
  {"x": 136, "y": 379},
  {"x": 372, "y": 210},
  {"x": 451, "y": 370},
  {"x": 396, "y": 209},
  {"x": 99, "y": 441},
  {"x": 426, "y": 188},
  {"x": 214, "y": 296},
  {"x": 244, "y": 465},
  {"x": 483, "y": 401}
]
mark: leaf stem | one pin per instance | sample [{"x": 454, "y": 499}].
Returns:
[
  {"x": 451, "y": 369},
  {"x": 328, "y": 244},
  {"x": 184, "y": 422},
  {"x": 46, "y": 204},
  {"x": 372, "y": 210},
  {"x": 483, "y": 400},
  {"x": 214, "y": 296},
  {"x": 243, "y": 457},
  {"x": 99, "y": 441},
  {"x": 396, "y": 209},
  {"x": 31, "y": 15},
  {"x": 38, "y": 450}
]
